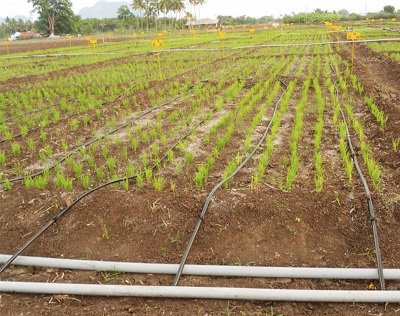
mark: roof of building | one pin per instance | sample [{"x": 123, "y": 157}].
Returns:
[{"x": 202, "y": 22}]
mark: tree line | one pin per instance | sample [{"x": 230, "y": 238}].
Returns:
[{"x": 57, "y": 17}]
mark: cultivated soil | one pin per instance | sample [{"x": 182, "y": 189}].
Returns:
[{"x": 245, "y": 225}]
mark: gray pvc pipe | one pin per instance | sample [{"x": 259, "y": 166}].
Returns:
[
  {"x": 202, "y": 292},
  {"x": 206, "y": 270}
]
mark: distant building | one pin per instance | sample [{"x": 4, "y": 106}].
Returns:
[
  {"x": 23, "y": 35},
  {"x": 203, "y": 23}
]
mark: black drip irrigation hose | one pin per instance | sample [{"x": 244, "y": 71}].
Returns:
[
  {"x": 60, "y": 214},
  {"x": 371, "y": 208},
  {"x": 217, "y": 187}
]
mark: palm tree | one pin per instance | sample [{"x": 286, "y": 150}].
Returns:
[
  {"x": 196, "y": 3},
  {"x": 139, "y": 5},
  {"x": 165, "y": 7},
  {"x": 176, "y": 7}
]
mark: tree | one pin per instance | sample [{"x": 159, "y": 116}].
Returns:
[
  {"x": 140, "y": 6},
  {"x": 176, "y": 7},
  {"x": 54, "y": 14},
  {"x": 389, "y": 9},
  {"x": 125, "y": 15},
  {"x": 196, "y": 3}
]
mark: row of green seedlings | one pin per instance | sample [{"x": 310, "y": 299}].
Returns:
[
  {"x": 296, "y": 134},
  {"x": 99, "y": 79},
  {"x": 234, "y": 163},
  {"x": 269, "y": 141},
  {"x": 373, "y": 167},
  {"x": 153, "y": 136},
  {"x": 173, "y": 90},
  {"x": 230, "y": 121},
  {"x": 45, "y": 152},
  {"x": 379, "y": 115},
  {"x": 319, "y": 128},
  {"x": 83, "y": 102},
  {"x": 343, "y": 146},
  {"x": 79, "y": 99},
  {"x": 229, "y": 92}
]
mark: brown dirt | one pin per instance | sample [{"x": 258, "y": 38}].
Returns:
[{"x": 261, "y": 226}]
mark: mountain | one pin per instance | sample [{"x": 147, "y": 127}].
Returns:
[
  {"x": 17, "y": 17},
  {"x": 101, "y": 10}
]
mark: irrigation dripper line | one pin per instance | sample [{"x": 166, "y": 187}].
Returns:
[
  {"x": 60, "y": 214},
  {"x": 371, "y": 208},
  {"x": 216, "y": 188}
]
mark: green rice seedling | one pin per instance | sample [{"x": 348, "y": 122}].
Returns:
[
  {"x": 395, "y": 145},
  {"x": 111, "y": 164},
  {"x": 31, "y": 144},
  {"x": 344, "y": 153},
  {"x": 170, "y": 155},
  {"x": 125, "y": 185},
  {"x": 85, "y": 181},
  {"x": 77, "y": 170},
  {"x": 18, "y": 168},
  {"x": 41, "y": 181},
  {"x": 139, "y": 179},
  {"x": 134, "y": 143},
  {"x": 319, "y": 172},
  {"x": 90, "y": 161},
  {"x": 99, "y": 172},
  {"x": 24, "y": 130},
  {"x": 230, "y": 169},
  {"x": 148, "y": 172},
  {"x": 43, "y": 136},
  {"x": 16, "y": 149},
  {"x": 201, "y": 176},
  {"x": 69, "y": 161},
  {"x": 56, "y": 115},
  {"x": 130, "y": 170},
  {"x": 3, "y": 158},
  {"x": 63, "y": 182},
  {"x": 158, "y": 183},
  {"x": 145, "y": 159},
  {"x": 64, "y": 145},
  {"x": 105, "y": 151},
  {"x": 74, "y": 124},
  {"x": 189, "y": 157},
  {"x": 7, "y": 185},
  {"x": 118, "y": 142},
  {"x": 379, "y": 115},
  {"x": 124, "y": 154},
  {"x": 86, "y": 121},
  {"x": 29, "y": 182}
]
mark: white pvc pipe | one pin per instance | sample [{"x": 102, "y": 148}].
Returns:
[
  {"x": 206, "y": 270},
  {"x": 202, "y": 292}
]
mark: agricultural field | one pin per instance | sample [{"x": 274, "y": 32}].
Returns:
[{"x": 118, "y": 145}]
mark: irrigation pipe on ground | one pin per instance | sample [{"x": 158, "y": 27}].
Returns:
[
  {"x": 203, "y": 292},
  {"x": 205, "y": 270}
]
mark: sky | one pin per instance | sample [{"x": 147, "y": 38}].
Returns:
[{"x": 213, "y": 8}]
